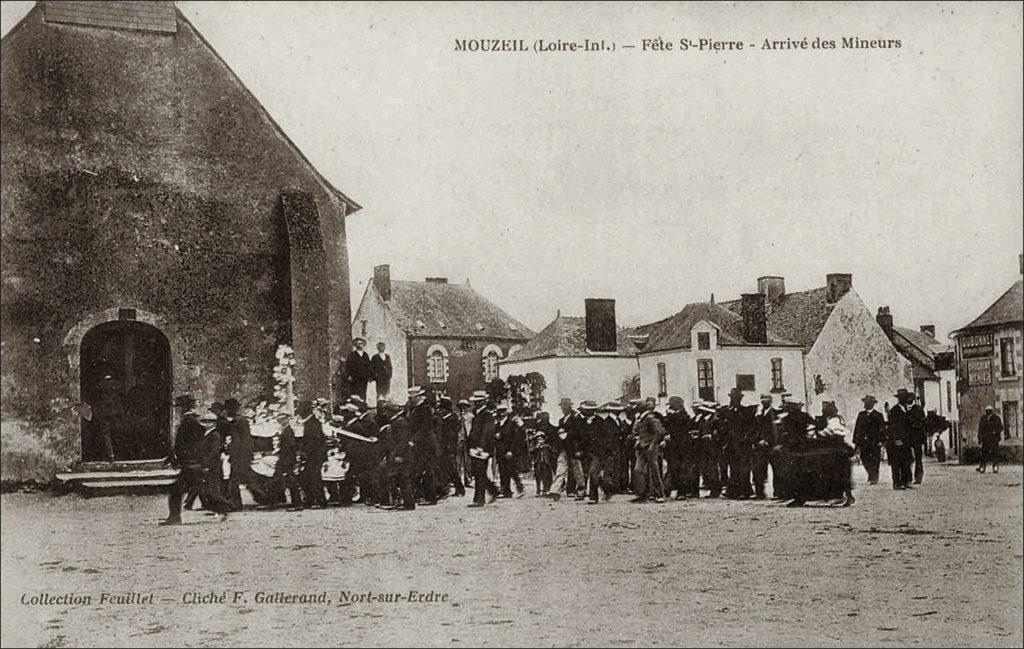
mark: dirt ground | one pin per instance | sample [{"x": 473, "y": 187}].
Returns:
[{"x": 939, "y": 565}]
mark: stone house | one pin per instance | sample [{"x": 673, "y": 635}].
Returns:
[
  {"x": 441, "y": 335},
  {"x": 161, "y": 234}
]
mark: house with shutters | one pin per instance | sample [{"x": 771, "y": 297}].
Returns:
[
  {"x": 846, "y": 353},
  {"x": 580, "y": 358},
  {"x": 990, "y": 367},
  {"x": 439, "y": 334},
  {"x": 161, "y": 234},
  {"x": 706, "y": 350}
]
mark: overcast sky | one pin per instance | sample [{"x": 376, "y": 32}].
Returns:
[{"x": 655, "y": 178}]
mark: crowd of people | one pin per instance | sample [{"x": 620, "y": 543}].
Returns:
[{"x": 399, "y": 457}]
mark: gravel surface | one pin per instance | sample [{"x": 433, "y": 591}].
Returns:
[{"x": 939, "y": 565}]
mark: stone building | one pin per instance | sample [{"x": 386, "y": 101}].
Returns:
[
  {"x": 439, "y": 334},
  {"x": 706, "y": 350},
  {"x": 990, "y": 369},
  {"x": 846, "y": 353},
  {"x": 160, "y": 234},
  {"x": 579, "y": 358}
]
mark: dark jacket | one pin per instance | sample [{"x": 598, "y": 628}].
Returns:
[
  {"x": 737, "y": 426},
  {"x": 381, "y": 369},
  {"x": 648, "y": 430},
  {"x": 990, "y": 428},
  {"x": 906, "y": 425},
  {"x": 677, "y": 430},
  {"x": 357, "y": 366},
  {"x": 187, "y": 438},
  {"x": 314, "y": 444},
  {"x": 448, "y": 425},
  {"x": 571, "y": 426},
  {"x": 764, "y": 436},
  {"x": 602, "y": 437},
  {"x": 869, "y": 431},
  {"x": 424, "y": 431},
  {"x": 208, "y": 453},
  {"x": 287, "y": 453},
  {"x": 509, "y": 437},
  {"x": 481, "y": 434},
  {"x": 400, "y": 438},
  {"x": 240, "y": 444}
]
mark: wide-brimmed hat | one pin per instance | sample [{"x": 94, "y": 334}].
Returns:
[
  {"x": 766, "y": 396},
  {"x": 358, "y": 402},
  {"x": 463, "y": 402},
  {"x": 358, "y": 339},
  {"x": 869, "y": 397},
  {"x": 735, "y": 391},
  {"x": 565, "y": 401},
  {"x": 444, "y": 398},
  {"x": 501, "y": 408},
  {"x": 208, "y": 418},
  {"x": 232, "y": 406},
  {"x": 612, "y": 406},
  {"x": 479, "y": 395},
  {"x": 589, "y": 404},
  {"x": 903, "y": 392},
  {"x": 186, "y": 401}
]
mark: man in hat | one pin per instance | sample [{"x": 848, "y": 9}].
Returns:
[
  {"x": 570, "y": 435},
  {"x": 990, "y": 428},
  {"x": 901, "y": 433},
  {"x": 762, "y": 443},
  {"x": 423, "y": 424},
  {"x": 648, "y": 431},
  {"x": 601, "y": 430},
  {"x": 381, "y": 369},
  {"x": 314, "y": 454},
  {"x": 465, "y": 420},
  {"x": 240, "y": 448},
  {"x": 677, "y": 437},
  {"x": 448, "y": 426},
  {"x": 189, "y": 455},
  {"x": 357, "y": 368},
  {"x": 286, "y": 484},
  {"x": 481, "y": 448},
  {"x": 868, "y": 434},
  {"x": 737, "y": 422},
  {"x": 627, "y": 456},
  {"x": 710, "y": 447},
  {"x": 402, "y": 456},
  {"x": 793, "y": 426},
  {"x": 510, "y": 439}
]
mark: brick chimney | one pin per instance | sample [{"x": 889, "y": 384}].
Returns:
[
  {"x": 884, "y": 320},
  {"x": 600, "y": 324},
  {"x": 839, "y": 284},
  {"x": 382, "y": 281},
  {"x": 755, "y": 322},
  {"x": 437, "y": 280},
  {"x": 771, "y": 286},
  {"x": 928, "y": 329}
]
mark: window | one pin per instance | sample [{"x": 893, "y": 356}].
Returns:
[
  {"x": 363, "y": 334},
  {"x": 979, "y": 371},
  {"x": 491, "y": 356},
  {"x": 437, "y": 364},
  {"x": 703, "y": 340},
  {"x": 777, "y": 385},
  {"x": 662, "y": 381},
  {"x": 1011, "y": 419},
  {"x": 1007, "y": 363},
  {"x": 745, "y": 382},
  {"x": 949, "y": 396},
  {"x": 706, "y": 379}
]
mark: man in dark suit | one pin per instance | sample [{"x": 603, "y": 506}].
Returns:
[
  {"x": 190, "y": 455},
  {"x": 510, "y": 439},
  {"x": 314, "y": 454},
  {"x": 990, "y": 428},
  {"x": 381, "y": 371},
  {"x": 649, "y": 432},
  {"x": 677, "y": 429},
  {"x": 424, "y": 437},
  {"x": 357, "y": 368},
  {"x": 235, "y": 427},
  {"x": 906, "y": 423},
  {"x": 481, "y": 448},
  {"x": 868, "y": 433},
  {"x": 737, "y": 423},
  {"x": 448, "y": 426},
  {"x": 761, "y": 444},
  {"x": 402, "y": 454}
]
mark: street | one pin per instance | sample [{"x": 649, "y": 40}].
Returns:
[{"x": 939, "y": 565}]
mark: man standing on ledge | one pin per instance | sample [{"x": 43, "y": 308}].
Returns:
[
  {"x": 381, "y": 371},
  {"x": 357, "y": 368}
]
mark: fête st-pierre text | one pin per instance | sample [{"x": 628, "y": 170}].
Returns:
[{"x": 661, "y": 44}]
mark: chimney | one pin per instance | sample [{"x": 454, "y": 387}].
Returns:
[
  {"x": 928, "y": 329},
  {"x": 382, "y": 281},
  {"x": 884, "y": 320},
  {"x": 437, "y": 280},
  {"x": 755, "y": 323},
  {"x": 839, "y": 284},
  {"x": 600, "y": 324},
  {"x": 771, "y": 286}
]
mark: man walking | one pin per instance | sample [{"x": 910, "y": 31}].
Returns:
[
  {"x": 191, "y": 453},
  {"x": 448, "y": 428},
  {"x": 990, "y": 428},
  {"x": 481, "y": 447},
  {"x": 868, "y": 433},
  {"x": 509, "y": 438},
  {"x": 314, "y": 454},
  {"x": 900, "y": 435},
  {"x": 649, "y": 433},
  {"x": 570, "y": 434},
  {"x": 357, "y": 368},
  {"x": 381, "y": 370}
]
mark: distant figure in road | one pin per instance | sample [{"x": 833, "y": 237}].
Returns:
[
  {"x": 868, "y": 433},
  {"x": 357, "y": 368},
  {"x": 381, "y": 369},
  {"x": 934, "y": 425},
  {"x": 990, "y": 429}
]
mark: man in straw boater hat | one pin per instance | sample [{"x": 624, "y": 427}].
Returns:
[
  {"x": 762, "y": 443},
  {"x": 191, "y": 455},
  {"x": 570, "y": 425},
  {"x": 709, "y": 446},
  {"x": 510, "y": 440},
  {"x": 649, "y": 432},
  {"x": 481, "y": 448},
  {"x": 602, "y": 435},
  {"x": 868, "y": 435},
  {"x": 400, "y": 470},
  {"x": 448, "y": 426},
  {"x": 421, "y": 420}
]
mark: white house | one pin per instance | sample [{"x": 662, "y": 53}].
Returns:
[{"x": 579, "y": 358}]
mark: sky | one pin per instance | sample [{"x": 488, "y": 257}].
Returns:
[{"x": 655, "y": 178}]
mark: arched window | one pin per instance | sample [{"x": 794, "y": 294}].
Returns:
[
  {"x": 437, "y": 364},
  {"x": 491, "y": 356}
]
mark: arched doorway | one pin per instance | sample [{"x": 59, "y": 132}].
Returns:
[{"x": 125, "y": 378}]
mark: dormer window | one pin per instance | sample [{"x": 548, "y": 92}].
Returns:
[{"x": 704, "y": 340}]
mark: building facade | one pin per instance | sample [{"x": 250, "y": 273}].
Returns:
[
  {"x": 706, "y": 350},
  {"x": 579, "y": 358},
  {"x": 440, "y": 335},
  {"x": 160, "y": 235},
  {"x": 989, "y": 367}
]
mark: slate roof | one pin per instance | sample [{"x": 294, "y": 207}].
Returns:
[
  {"x": 798, "y": 317},
  {"x": 436, "y": 310},
  {"x": 674, "y": 332},
  {"x": 566, "y": 337},
  {"x": 918, "y": 346},
  {"x": 1008, "y": 309},
  {"x": 142, "y": 15}
]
